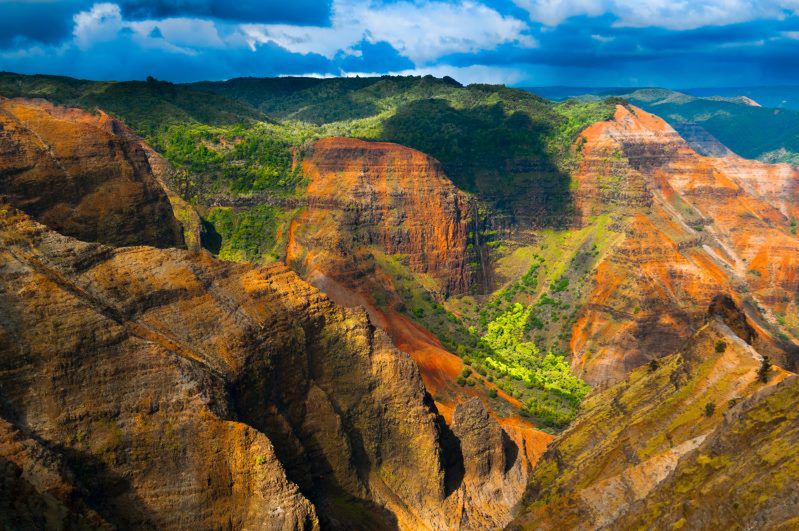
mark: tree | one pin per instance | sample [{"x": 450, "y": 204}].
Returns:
[
  {"x": 710, "y": 407},
  {"x": 765, "y": 367},
  {"x": 721, "y": 346},
  {"x": 653, "y": 365}
]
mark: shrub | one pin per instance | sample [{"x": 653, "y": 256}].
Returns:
[
  {"x": 721, "y": 346},
  {"x": 260, "y": 460},
  {"x": 492, "y": 392},
  {"x": 653, "y": 365},
  {"x": 710, "y": 407},
  {"x": 765, "y": 367},
  {"x": 461, "y": 381}
]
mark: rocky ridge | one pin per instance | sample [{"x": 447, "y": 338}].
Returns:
[
  {"x": 162, "y": 388},
  {"x": 668, "y": 446},
  {"x": 687, "y": 229},
  {"x": 83, "y": 175}
]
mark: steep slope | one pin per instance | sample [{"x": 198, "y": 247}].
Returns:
[
  {"x": 153, "y": 388},
  {"x": 192, "y": 375},
  {"x": 393, "y": 198},
  {"x": 660, "y": 442},
  {"x": 83, "y": 175},
  {"x": 688, "y": 228}
]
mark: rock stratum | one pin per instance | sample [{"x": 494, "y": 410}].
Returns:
[
  {"x": 146, "y": 387},
  {"x": 696, "y": 440},
  {"x": 684, "y": 229},
  {"x": 83, "y": 175}
]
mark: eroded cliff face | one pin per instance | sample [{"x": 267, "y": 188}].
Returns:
[
  {"x": 83, "y": 175},
  {"x": 162, "y": 388},
  {"x": 688, "y": 228},
  {"x": 669, "y": 445},
  {"x": 388, "y": 196},
  {"x": 203, "y": 393},
  {"x": 374, "y": 206}
]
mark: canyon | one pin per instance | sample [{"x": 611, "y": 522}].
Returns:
[{"x": 147, "y": 383}]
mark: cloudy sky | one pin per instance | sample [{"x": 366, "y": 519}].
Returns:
[{"x": 672, "y": 43}]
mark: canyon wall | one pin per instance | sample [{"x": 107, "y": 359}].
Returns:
[
  {"x": 690, "y": 228},
  {"x": 83, "y": 175},
  {"x": 162, "y": 388},
  {"x": 393, "y": 198}
]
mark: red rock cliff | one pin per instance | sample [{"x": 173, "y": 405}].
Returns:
[
  {"x": 690, "y": 228},
  {"x": 397, "y": 199}
]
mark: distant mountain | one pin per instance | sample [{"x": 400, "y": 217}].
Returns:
[
  {"x": 753, "y": 124},
  {"x": 775, "y": 97}
]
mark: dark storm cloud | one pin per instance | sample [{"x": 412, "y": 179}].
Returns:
[
  {"x": 373, "y": 57},
  {"x": 25, "y": 22},
  {"x": 305, "y": 12}
]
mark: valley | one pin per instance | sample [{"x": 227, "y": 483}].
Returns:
[{"x": 389, "y": 303}]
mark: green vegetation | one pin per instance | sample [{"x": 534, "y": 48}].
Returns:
[
  {"x": 248, "y": 235},
  {"x": 721, "y": 346},
  {"x": 765, "y": 368},
  {"x": 236, "y": 159},
  {"x": 710, "y": 408},
  {"x": 555, "y": 393}
]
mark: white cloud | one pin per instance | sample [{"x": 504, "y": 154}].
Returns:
[
  {"x": 101, "y": 23},
  {"x": 671, "y": 14},
  {"x": 421, "y": 31}
]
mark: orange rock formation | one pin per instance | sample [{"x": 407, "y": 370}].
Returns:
[{"x": 693, "y": 227}]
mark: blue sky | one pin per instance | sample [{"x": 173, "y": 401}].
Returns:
[{"x": 672, "y": 43}]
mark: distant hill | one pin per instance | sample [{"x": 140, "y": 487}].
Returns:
[
  {"x": 147, "y": 106},
  {"x": 754, "y": 123}
]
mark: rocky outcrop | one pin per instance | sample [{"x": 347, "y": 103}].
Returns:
[
  {"x": 646, "y": 451},
  {"x": 83, "y": 175},
  {"x": 203, "y": 393},
  {"x": 393, "y": 198},
  {"x": 162, "y": 388},
  {"x": 689, "y": 227}
]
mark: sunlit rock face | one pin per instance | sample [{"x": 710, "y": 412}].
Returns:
[
  {"x": 147, "y": 387},
  {"x": 695, "y": 440},
  {"x": 83, "y": 175},
  {"x": 394, "y": 198},
  {"x": 687, "y": 228}
]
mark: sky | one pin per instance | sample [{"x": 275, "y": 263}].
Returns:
[{"x": 668, "y": 43}]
